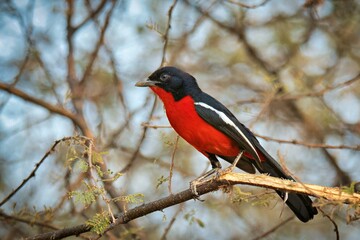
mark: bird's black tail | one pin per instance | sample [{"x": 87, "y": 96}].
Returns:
[{"x": 300, "y": 204}]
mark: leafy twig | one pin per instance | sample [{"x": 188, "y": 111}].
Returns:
[{"x": 37, "y": 165}]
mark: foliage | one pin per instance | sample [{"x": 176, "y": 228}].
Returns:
[
  {"x": 161, "y": 180},
  {"x": 87, "y": 196},
  {"x": 260, "y": 199},
  {"x": 190, "y": 217},
  {"x": 99, "y": 222},
  {"x": 135, "y": 198}
]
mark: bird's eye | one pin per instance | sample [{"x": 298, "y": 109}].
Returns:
[{"x": 164, "y": 77}]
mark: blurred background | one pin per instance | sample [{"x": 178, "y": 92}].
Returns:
[{"x": 289, "y": 70}]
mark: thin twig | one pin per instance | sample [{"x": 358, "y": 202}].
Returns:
[
  {"x": 135, "y": 154},
  {"x": 95, "y": 179},
  {"x": 273, "y": 229},
  {"x": 27, "y": 221},
  {"x": 309, "y": 145},
  {"x": 336, "y": 229},
  {"x": 172, "y": 162},
  {"x": 246, "y": 5},
  {"x": 92, "y": 15},
  {"x": 288, "y": 97},
  {"x": 52, "y": 108},
  {"x": 99, "y": 43},
  {"x": 171, "y": 223},
  {"x": 145, "y": 124},
  {"x": 166, "y": 34},
  {"x": 32, "y": 174}
]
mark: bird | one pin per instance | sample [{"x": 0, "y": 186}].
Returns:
[{"x": 213, "y": 130}]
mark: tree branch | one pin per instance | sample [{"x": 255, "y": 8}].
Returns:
[
  {"x": 328, "y": 193},
  {"x": 166, "y": 35},
  {"x": 52, "y": 108},
  {"x": 91, "y": 15},
  {"x": 309, "y": 145},
  {"x": 98, "y": 45},
  {"x": 331, "y": 194},
  {"x": 246, "y": 5},
  {"x": 27, "y": 221},
  {"x": 32, "y": 174}
]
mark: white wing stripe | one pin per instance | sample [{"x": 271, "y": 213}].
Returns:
[{"x": 227, "y": 120}]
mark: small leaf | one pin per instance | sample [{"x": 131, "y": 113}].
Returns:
[
  {"x": 239, "y": 196},
  {"x": 86, "y": 197},
  {"x": 97, "y": 157},
  {"x": 200, "y": 223},
  {"x": 99, "y": 223},
  {"x": 349, "y": 189},
  {"x": 132, "y": 198},
  {"x": 190, "y": 217},
  {"x": 82, "y": 165},
  {"x": 161, "y": 180},
  {"x": 98, "y": 170}
]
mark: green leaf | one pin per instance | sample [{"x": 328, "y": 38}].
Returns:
[
  {"x": 263, "y": 201},
  {"x": 97, "y": 157},
  {"x": 161, "y": 180},
  {"x": 114, "y": 178},
  {"x": 71, "y": 156},
  {"x": 349, "y": 189},
  {"x": 99, "y": 223},
  {"x": 164, "y": 218},
  {"x": 190, "y": 217},
  {"x": 82, "y": 165},
  {"x": 200, "y": 223},
  {"x": 98, "y": 170},
  {"x": 86, "y": 197},
  {"x": 239, "y": 196},
  {"x": 132, "y": 198}
]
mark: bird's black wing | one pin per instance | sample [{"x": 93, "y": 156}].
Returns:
[{"x": 217, "y": 115}]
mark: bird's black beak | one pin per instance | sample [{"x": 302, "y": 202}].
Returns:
[{"x": 146, "y": 83}]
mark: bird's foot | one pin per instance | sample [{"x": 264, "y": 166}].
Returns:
[
  {"x": 217, "y": 171},
  {"x": 231, "y": 167},
  {"x": 203, "y": 178}
]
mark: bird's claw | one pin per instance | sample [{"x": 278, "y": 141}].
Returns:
[
  {"x": 193, "y": 186},
  {"x": 217, "y": 171},
  {"x": 203, "y": 178}
]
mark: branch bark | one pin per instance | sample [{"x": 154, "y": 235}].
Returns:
[{"x": 331, "y": 194}]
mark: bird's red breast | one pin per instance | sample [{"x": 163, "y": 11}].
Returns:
[{"x": 191, "y": 127}]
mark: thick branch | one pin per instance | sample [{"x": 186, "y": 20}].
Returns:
[
  {"x": 328, "y": 193},
  {"x": 52, "y": 108},
  {"x": 332, "y": 194}
]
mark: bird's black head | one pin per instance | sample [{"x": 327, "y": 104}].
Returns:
[{"x": 173, "y": 80}]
